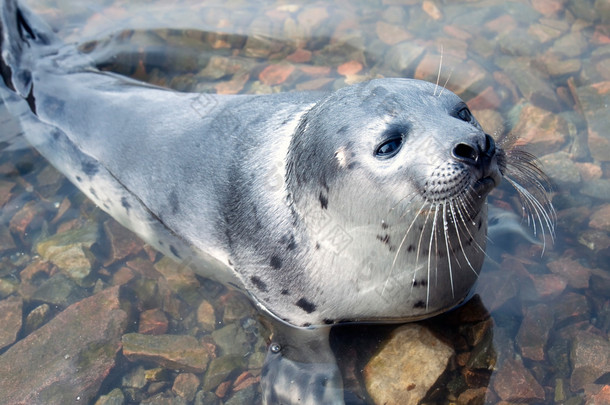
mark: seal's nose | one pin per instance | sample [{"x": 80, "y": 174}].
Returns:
[{"x": 475, "y": 153}]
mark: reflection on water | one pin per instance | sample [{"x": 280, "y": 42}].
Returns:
[{"x": 538, "y": 330}]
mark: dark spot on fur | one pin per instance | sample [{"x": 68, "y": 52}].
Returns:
[
  {"x": 230, "y": 262},
  {"x": 352, "y": 165},
  {"x": 317, "y": 245},
  {"x": 480, "y": 224},
  {"x": 79, "y": 179},
  {"x": 31, "y": 100},
  {"x": 306, "y": 305},
  {"x": 384, "y": 225},
  {"x": 419, "y": 304},
  {"x": 174, "y": 251},
  {"x": 385, "y": 238},
  {"x": 285, "y": 292},
  {"x": 410, "y": 248},
  {"x": 323, "y": 201},
  {"x": 258, "y": 283},
  {"x": 343, "y": 129},
  {"x": 421, "y": 283},
  {"x": 125, "y": 204},
  {"x": 306, "y": 324},
  {"x": 174, "y": 202},
  {"x": 89, "y": 168},
  {"x": 93, "y": 193},
  {"x": 328, "y": 321},
  {"x": 276, "y": 262},
  {"x": 106, "y": 206}
]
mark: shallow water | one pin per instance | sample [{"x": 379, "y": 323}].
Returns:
[{"x": 537, "y": 331}]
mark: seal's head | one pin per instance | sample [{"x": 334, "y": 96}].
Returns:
[{"x": 390, "y": 178}]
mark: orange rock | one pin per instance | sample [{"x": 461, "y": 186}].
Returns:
[
  {"x": 432, "y": 10},
  {"x": 299, "y": 56},
  {"x": 349, "y": 68},
  {"x": 276, "y": 73},
  {"x": 589, "y": 171}
]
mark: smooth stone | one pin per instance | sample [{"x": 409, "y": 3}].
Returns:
[
  {"x": 206, "y": 316},
  {"x": 180, "y": 277},
  {"x": 177, "y": 352},
  {"x": 572, "y": 271},
  {"x": 67, "y": 359},
  {"x": 37, "y": 317},
  {"x": 123, "y": 242},
  {"x": 407, "y": 365},
  {"x": 136, "y": 378},
  {"x": 542, "y": 131},
  {"x": 153, "y": 322},
  {"x": 593, "y": 99}
]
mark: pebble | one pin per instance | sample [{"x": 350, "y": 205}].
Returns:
[
  {"x": 597, "y": 188},
  {"x": 54, "y": 365},
  {"x": 541, "y": 130},
  {"x": 576, "y": 275},
  {"x": 186, "y": 385},
  {"x": 592, "y": 100},
  {"x": 179, "y": 276},
  {"x": 406, "y": 366},
  {"x": 70, "y": 252},
  {"x": 206, "y": 316},
  {"x": 37, "y": 317},
  {"x": 177, "y": 352}
]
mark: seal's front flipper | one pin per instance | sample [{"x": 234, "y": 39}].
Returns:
[{"x": 300, "y": 368}]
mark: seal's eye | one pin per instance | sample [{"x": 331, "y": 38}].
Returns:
[
  {"x": 389, "y": 148},
  {"x": 465, "y": 115}
]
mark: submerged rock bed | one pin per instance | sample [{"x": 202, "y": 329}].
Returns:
[{"x": 111, "y": 321}]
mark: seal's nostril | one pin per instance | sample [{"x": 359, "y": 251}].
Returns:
[
  {"x": 490, "y": 145},
  {"x": 465, "y": 152}
]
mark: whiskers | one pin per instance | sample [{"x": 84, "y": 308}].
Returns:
[
  {"x": 522, "y": 170},
  {"x": 447, "y": 240}
]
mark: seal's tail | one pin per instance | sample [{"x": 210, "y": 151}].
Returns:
[{"x": 24, "y": 39}]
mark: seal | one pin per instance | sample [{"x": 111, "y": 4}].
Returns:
[{"x": 364, "y": 204}]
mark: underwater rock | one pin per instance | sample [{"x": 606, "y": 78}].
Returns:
[
  {"x": 542, "y": 130},
  {"x": 186, "y": 385},
  {"x": 70, "y": 252},
  {"x": 180, "y": 277},
  {"x": 37, "y": 317},
  {"x": 407, "y": 366},
  {"x": 573, "y": 272},
  {"x": 59, "y": 290},
  {"x": 206, "y": 316},
  {"x": 220, "y": 368},
  {"x": 593, "y": 100},
  {"x": 600, "y": 219},
  {"x": 67, "y": 359},
  {"x": 177, "y": 352},
  {"x": 561, "y": 169},
  {"x": 10, "y": 319},
  {"x": 153, "y": 322},
  {"x": 231, "y": 339},
  {"x": 590, "y": 359},
  {"x": 6, "y": 239},
  {"x": 123, "y": 243},
  {"x": 514, "y": 383},
  {"x": 114, "y": 397},
  {"x": 534, "y": 331}
]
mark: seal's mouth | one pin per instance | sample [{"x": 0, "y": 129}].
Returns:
[{"x": 484, "y": 186}]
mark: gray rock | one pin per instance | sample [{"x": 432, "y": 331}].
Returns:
[{"x": 10, "y": 319}]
